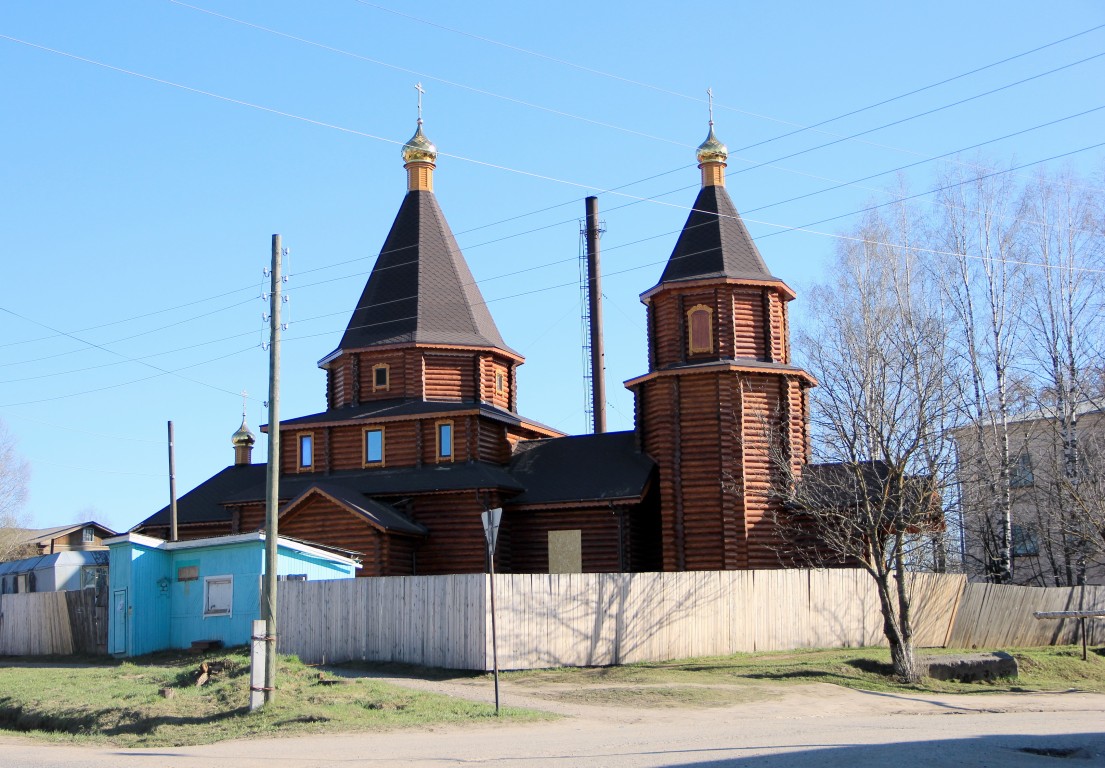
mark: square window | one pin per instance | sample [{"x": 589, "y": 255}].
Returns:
[
  {"x": 445, "y": 440},
  {"x": 374, "y": 446},
  {"x": 306, "y": 451},
  {"x": 218, "y": 595}
]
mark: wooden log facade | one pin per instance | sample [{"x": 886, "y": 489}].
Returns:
[{"x": 421, "y": 432}]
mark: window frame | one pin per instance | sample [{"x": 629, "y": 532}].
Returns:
[
  {"x": 227, "y": 579},
  {"x": 299, "y": 438},
  {"x": 500, "y": 382},
  {"x": 386, "y": 386},
  {"x": 692, "y": 348},
  {"x": 451, "y": 456},
  {"x": 88, "y": 535},
  {"x": 1020, "y": 471},
  {"x": 364, "y": 447}
]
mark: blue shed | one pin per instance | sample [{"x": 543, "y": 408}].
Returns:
[{"x": 169, "y": 594}]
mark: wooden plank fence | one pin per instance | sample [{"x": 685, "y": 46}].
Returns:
[
  {"x": 52, "y": 623},
  {"x": 1000, "y": 616},
  {"x": 547, "y": 620}
]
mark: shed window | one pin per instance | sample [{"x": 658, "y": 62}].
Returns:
[
  {"x": 380, "y": 377},
  {"x": 700, "y": 334},
  {"x": 218, "y": 595},
  {"x": 445, "y": 441},
  {"x": 88, "y": 535},
  {"x": 306, "y": 451},
  {"x": 374, "y": 446}
]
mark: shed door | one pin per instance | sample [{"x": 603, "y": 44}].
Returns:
[{"x": 119, "y": 621}]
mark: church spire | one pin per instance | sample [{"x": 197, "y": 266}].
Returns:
[
  {"x": 712, "y": 154},
  {"x": 419, "y": 155}
]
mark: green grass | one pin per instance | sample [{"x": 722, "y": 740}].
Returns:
[
  {"x": 120, "y": 704},
  {"x": 719, "y": 681}
]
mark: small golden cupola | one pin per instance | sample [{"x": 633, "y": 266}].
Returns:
[
  {"x": 712, "y": 154},
  {"x": 243, "y": 441},
  {"x": 419, "y": 156}
]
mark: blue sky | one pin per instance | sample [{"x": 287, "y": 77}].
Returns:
[{"x": 152, "y": 148}]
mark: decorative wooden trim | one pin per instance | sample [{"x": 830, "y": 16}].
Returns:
[
  {"x": 386, "y": 368},
  {"x": 383, "y": 446},
  {"x": 500, "y": 381},
  {"x": 786, "y": 292},
  {"x": 452, "y": 440},
  {"x": 692, "y": 347},
  {"x": 770, "y": 369},
  {"x": 299, "y": 465}
]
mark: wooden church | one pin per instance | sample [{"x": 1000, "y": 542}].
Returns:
[{"x": 421, "y": 431}]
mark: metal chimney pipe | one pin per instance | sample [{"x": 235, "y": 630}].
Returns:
[{"x": 594, "y": 283}]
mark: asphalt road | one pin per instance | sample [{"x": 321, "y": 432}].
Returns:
[{"x": 811, "y": 725}]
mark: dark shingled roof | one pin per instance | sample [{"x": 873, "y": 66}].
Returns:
[
  {"x": 383, "y": 515},
  {"x": 203, "y": 504},
  {"x": 388, "y": 482},
  {"x": 715, "y": 243},
  {"x": 602, "y": 467},
  {"x": 378, "y": 409},
  {"x": 421, "y": 290}
]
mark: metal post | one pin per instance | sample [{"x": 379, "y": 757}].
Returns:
[
  {"x": 491, "y": 519},
  {"x": 172, "y": 487},
  {"x": 272, "y": 494},
  {"x": 594, "y": 282}
]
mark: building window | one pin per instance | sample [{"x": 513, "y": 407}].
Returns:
[
  {"x": 700, "y": 332},
  {"x": 373, "y": 446},
  {"x": 306, "y": 451},
  {"x": 1024, "y": 541},
  {"x": 380, "y": 377},
  {"x": 1020, "y": 474},
  {"x": 88, "y": 535},
  {"x": 218, "y": 595},
  {"x": 445, "y": 441},
  {"x": 500, "y": 382}
]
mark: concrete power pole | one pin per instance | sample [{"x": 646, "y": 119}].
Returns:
[
  {"x": 272, "y": 474},
  {"x": 172, "y": 487}
]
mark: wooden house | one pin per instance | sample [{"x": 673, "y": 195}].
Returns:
[
  {"x": 170, "y": 594},
  {"x": 421, "y": 432}
]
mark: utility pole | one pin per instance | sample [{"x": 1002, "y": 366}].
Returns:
[
  {"x": 272, "y": 474},
  {"x": 594, "y": 284},
  {"x": 172, "y": 487}
]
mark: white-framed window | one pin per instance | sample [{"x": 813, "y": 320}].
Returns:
[
  {"x": 218, "y": 595},
  {"x": 88, "y": 535}
]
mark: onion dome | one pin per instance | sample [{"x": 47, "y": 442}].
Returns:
[
  {"x": 419, "y": 149},
  {"x": 243, "y": 436},
  {"x": 712, "y": 150}
]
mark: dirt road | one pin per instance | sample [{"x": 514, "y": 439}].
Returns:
[{"x": 808, "y": 725}]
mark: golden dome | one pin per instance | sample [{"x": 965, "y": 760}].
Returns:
[
  {"x": 712, "y": 150},
  {"x": 419, "y": 149},
  {"x": 243, "y": 436}
]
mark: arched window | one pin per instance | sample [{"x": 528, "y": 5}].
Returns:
[{"x": 700, "y": 329}]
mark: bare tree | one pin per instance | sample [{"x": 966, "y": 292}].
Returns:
[
  {"x": 14, "y": 474},
  {"x": 1064, "y": 314},
  {"x": 980, "y": 283},
  {"x": 879, "y": 347}
]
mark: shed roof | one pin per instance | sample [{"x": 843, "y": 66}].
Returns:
[{"x": 604, "y": 468}]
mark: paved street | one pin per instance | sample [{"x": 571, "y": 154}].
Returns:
[{"x": 806, "y": 725}]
